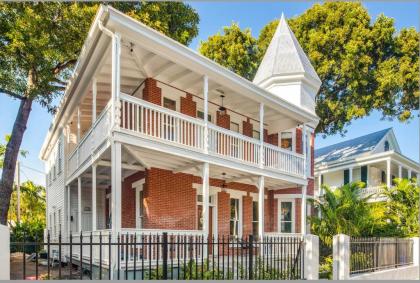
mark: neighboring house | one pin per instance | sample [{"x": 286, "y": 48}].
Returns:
[
  {"x": 151, "y": 136},
  {"x": 374, "y": 159}
]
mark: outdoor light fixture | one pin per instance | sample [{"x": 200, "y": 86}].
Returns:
[{"x": 224, "y": 180}]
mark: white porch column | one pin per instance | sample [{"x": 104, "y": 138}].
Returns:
[
  {"x": 262, "y": 135},
  {"x": 94, "y": 93},
  {"x": 399, "y": 171},
  {"x": 94, "y": 219},
  {"x": 303, "y": 211},
  {"x": 79, "y": 204},
  {"x": 320, "y": 185},
  {"x": 388, "y": 173},
  {"x": 115, "y": 91},
  {"x": 68, "y": 211},
  {"x": 261, "y": 197},
  {"x": 409, "y": 174},
  {"x": 304, "y": 147},
  {"x": 206, "y": 113},
  {"x": 206, "y": 195},
  {"x": 116, "y": 187},
  {"x": 350, "y": 174},
  {"x": 78, "y": 123}
]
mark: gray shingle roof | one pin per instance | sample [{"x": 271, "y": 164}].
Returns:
[
  {"x": 350, "y": 148},
  {"x": 284, "y": 56}
]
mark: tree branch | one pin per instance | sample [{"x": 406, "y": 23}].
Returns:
[
  {"x": 61, "y": 66},
  {"x": 12, "y": 94}
]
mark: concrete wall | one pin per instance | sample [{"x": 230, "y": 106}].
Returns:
[
  {"x": 4, "y": 253},
  {"x": 402, "y": 273}
]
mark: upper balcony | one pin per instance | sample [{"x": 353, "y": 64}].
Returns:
[{"x": 108, "y": 96}]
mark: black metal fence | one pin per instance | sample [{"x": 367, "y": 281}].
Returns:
[
  {"x": 372, "y": 254},
  {"x": 162, "y": 256}
]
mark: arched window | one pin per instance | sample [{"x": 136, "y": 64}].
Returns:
[{"x": 386, "y": 146}]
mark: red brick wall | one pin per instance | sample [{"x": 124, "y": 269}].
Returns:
[
  {"x": 170, "y": 200},
  {"x": 247, "y": 215},
  {"x": 223, "y": 213},
  {"x": 247, "y": 128},
  {"x": 265, "y": 135},
  {"x": 273, "y": 139},
  {"x": 299, "y": 140},
  {"x": 223, "y": 120},
  {"x": 188, "y": 105},
  {"x": 128, "y": 200},
  {"x": 151, "y": 92}
]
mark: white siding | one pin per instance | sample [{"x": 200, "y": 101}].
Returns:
[{"x": 334, "y": 179}]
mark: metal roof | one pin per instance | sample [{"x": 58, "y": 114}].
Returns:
[
  {"x": 350, "y": 148},
  {"x": 284, "y": 56}
]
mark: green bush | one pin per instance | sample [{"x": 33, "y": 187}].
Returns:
[{"x": 29, "y": 233}]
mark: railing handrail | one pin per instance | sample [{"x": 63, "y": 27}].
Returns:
[
  {"x": 233, "y": 134},
  {"x": 87, "y": 134},
  {"x": 162, "y": 109},
  {"x": 279, "y": 149}
]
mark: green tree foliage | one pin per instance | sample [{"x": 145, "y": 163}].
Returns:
[
  {"x": 364, "y": 65},
  {"x": 235, "y": 49},
  {"x": 32, "y": 204},
  {"x": 401, "y": 211},
  {"x": 343, "y": 211},
  {"x": 39, "y": 45}
]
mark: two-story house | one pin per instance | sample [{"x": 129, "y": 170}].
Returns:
[
  {"x": 151, "y": 136},
  {"x": 375, "y": 159}
]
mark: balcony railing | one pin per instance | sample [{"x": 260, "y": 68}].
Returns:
[
  {"x": 91, "y": 141},
  {"x": 157, "y": 122}
]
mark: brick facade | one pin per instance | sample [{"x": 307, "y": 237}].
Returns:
[
  {"x": 223, "y": 120},
  {"x": 128, "y": 200},
  {"x": 223, "y": 213},
  {"x": 188, "y": 105},
  {"x": 247, "y": 128},
  {"x": 299, "y": 140},
  {"x": 151, "y": 92}
]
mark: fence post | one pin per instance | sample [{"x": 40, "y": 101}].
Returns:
[
  {"x": 311, "y": 257},
  {"x": 416, "y": 254},
  {"x": 250, "y": 256},
  {"x": 341, "y": 257},
  {"x": 165, "y": 256},
  {"x": 4, "y": 253}
]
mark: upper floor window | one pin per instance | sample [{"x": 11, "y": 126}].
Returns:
[
  {"x": 234, "y": 127},
  {"x": 169, "y": 103},
  {"x": 200, "y": 114},
  {"x": 286, "y": 140},
  {"x": 256, "y": 134},
  {"x": 386, "y": 146}
]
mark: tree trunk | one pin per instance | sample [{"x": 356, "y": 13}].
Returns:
[{"x": 10, "y": 157}]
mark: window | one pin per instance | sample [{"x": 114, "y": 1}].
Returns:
[
  {"x": 364, "y": 174},
  {"x": 141, "y": 208},
  {"x": 346, "y": 173},
  {"x": 200, "y": 114},
  {"x": 256, "y": 134},
  {"x": 234, "y": 217},
  {"x": 234, "y": 127},
  {"x": 286, "y": 217},
  {"x": 287, "y": 140},
  {"x": 169, "y": 103},
  {"x": 59, "y": 220},
  {"x": 255, "y": 218},
  {"x": 386, "y": 146}
]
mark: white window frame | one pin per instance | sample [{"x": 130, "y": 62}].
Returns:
[
  {"x": 279, "y": 202},
  {"x": 240, "y": 227},
  {"x": 139, "y": 187},
  {"x": 210, "y": 117},
  {"x": 293, "y": 131}
]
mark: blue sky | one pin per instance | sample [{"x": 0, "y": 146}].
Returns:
[{"x": 213, "y": 16}]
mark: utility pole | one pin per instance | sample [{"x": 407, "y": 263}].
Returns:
[{"x": 18, "y": 190}]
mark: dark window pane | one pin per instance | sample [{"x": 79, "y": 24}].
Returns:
[
  {"x": 286, "y": 227},
  {"x": 286, "y": 211}
]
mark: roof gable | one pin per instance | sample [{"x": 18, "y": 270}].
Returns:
[
  {"x": 284, "y": 56},
  {"x": 351, "y": 148}
]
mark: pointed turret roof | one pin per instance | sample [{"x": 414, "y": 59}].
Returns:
[{"x": 284, "y": 56}]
